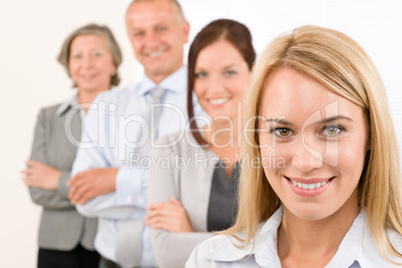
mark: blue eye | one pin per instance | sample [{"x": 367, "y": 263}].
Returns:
[
  {"x": 230, "y": 73},
  {"x": 138, "y": 34},
  {"x": 161, "y": 29},
  {"x": 97, "y": 54},
  {"x": 75, "y": 55},
  {"x": 200, "y": 75},
  {"x": 332, "y": 131}
]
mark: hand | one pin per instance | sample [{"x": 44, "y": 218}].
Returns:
[
  {"x": 41, "y": 176},
  {"x": 168, "y": 216},
  {"x": 92, "y": 183}
]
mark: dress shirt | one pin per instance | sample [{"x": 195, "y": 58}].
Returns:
[
  {"x": 357, "y": 249},
  {"x": 112, "y": 134}
]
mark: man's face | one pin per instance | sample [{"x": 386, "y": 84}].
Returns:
[{"x": 157, "y": 35}]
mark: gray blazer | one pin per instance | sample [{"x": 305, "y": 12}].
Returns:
[
  {"x": 189, "y": 183},
  {"x": 61, "y": 226}
]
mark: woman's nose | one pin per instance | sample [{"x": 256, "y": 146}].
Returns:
[
  {"x": 216, "y": 85},
  {"x": 87, "y": 62},
  {"x": 305, "y": 157}
]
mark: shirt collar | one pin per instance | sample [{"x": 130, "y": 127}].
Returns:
[
  {"x": 265, "y": 249},
  {"x": 176, "y": 82},
  {"x": 67, "y": 105},
  {"x": 349, "y": 249}
]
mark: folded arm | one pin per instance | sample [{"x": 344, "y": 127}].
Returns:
[
  {"x": 102, "y": 185},
  {"x": 47, "y": 185},
  {"x": 170, "y": 226}
]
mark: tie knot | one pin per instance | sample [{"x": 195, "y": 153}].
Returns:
[{"x": 157, "y": 94}]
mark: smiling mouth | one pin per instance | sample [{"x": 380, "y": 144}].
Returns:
[
  {"x": 156, "y": 54},
  {"x": 88, "y": 76},
  {"x": 218, "y": 101},
  {"x": 309, "y": 186}
]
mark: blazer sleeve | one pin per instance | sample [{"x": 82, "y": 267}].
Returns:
[
  {"x": 161, "y": 186},
  {"x": 50, "y": 199}
]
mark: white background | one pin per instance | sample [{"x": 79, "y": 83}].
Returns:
[{"x": 31, "y": 35}]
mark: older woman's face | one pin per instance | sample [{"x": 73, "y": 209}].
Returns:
[
  {"x": 222, "y": 78},
  {"x": 91, "y": 63},
  {"x": 319, "y": 140}
]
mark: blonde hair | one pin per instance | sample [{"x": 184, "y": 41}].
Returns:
[{"x": 340, "y": 64}]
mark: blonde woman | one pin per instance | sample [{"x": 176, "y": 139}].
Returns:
[{"x": 327, "y": 192}]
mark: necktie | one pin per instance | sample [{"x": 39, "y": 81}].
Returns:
[{"x": 155, "y": 110}]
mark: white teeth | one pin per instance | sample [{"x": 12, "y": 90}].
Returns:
[
  {"x": 156, "y": 54},
  {"x": 218, "y": 101},
  {"x": 309, "y": 186}
]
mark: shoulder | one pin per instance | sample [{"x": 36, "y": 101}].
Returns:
[
  {"x": 49, "y": 111},
  {"x": 116, "y": 94},
  {"x": 200, "y": 257},
  {"x": 219, "y": 251},
  {"x": 113, "y": 101},
  {"x": 182, "y": 142},
  {"x": 173, "y": 139},
  {"x": 370, "y": 253},
  {"x": 232, "y": 250},
  {"x": 51, "y": 108},
  {"x": 396, "y": 241}
]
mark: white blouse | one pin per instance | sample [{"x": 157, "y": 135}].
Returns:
[{"x": 358, "y": 248}]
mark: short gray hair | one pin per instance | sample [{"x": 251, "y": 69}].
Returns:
[
  {"x": 99, "y": 30},
  {"x": 181, "y": 18}
]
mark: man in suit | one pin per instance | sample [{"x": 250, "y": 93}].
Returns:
[{"x": 107, "y": 183}]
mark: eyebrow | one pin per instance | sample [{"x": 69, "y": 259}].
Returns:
[
  {"x": 279, "y": 121},
  {"x": 136, "y": 29},
  {"x": 224, "y": 68},
  {"x": 324, "y": 121},
  {"x": 231, "y": 66}
]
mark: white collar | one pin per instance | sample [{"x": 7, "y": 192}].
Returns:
[
  {"x": 265, "y": 248},
  {"x": 176, "y": 82},
  {"x": 264, "y": 251}
]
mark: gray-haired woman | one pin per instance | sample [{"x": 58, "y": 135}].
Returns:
[{"x": 91, "y": 57}]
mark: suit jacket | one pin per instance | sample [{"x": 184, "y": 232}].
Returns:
[
  {"x": 184, "y": 170},
  {"x": 61, "y": 226}
]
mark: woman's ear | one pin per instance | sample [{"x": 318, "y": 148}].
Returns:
[{"x": 113, "y": 71}]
